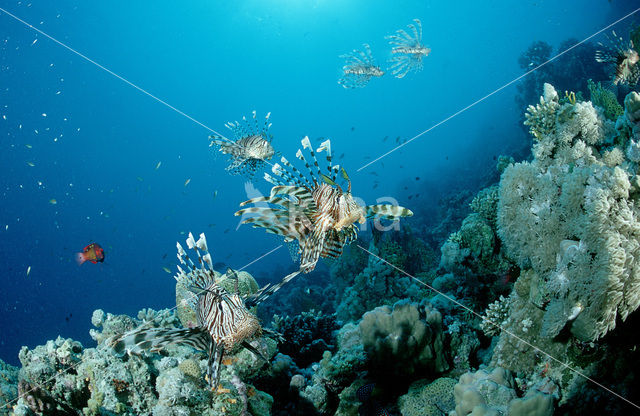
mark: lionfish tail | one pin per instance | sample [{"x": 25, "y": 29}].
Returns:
[
  {"x": 155, "y": 339},
  {"x": 387, "y": 211}
]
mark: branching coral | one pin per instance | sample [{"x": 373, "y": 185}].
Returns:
[{"x": 496, "y": 317}]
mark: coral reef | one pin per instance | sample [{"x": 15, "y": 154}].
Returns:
[
  {"x": 377, "y": 284},
  {"x": 306, "y": 336},
  {"x": 494, "y": 393},
  {"x": 404, "y": 340},
  {"x": 569, "y": 216},
  {"x": 94, "y": 381},
  {"x": 606, "y": 99},
  {"x": 8, "y": 386},
  {"x": 569, "y": 72},
  {"x": 496, "y": 317},
  {"x": 428, "y": 399}
]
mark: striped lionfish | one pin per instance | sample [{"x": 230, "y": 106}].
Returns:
[
  {"x": 224, "y": 322},
  {"x": 407, "y": 50},
  {"x": 623, "y": 57},
  {"x": 359, "y": 68},
  {"x": 251, "y": 147},
  {"x": 314, "y": 211}
]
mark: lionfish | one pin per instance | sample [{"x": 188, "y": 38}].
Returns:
[
  {"x": 224, "y": 322},
  {"x": 313, "y": 210},
  {"x": 407, "y": 50},
  {"x": 623, "y": 57},
  {"x": 359, "y": 68},
  {"x": 251, "y": 147}
]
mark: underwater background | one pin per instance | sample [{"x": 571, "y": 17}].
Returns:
[{"x": 86, "y": 157}]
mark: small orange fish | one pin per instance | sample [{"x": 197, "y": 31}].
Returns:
[{"x": 93, "y": 253}]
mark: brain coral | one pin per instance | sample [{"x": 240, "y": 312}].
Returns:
[{"x": 570, "y": 217}]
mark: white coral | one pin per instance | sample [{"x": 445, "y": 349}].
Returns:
[
  {"x": 495, "y": 317},
  {"x": 569, "y": 216}
]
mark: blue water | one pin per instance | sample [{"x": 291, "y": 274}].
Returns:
[{"x": 96, "y": 150}]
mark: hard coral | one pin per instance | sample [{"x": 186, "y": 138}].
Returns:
[
  {"x": 306, "y": 336},
  {"x": 404, "y": 339},
  {"x": 493, "y": 393}
]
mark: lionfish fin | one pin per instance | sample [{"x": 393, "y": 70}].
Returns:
[
  {"x": 268, "y": 290},
  {"x": 231, "y": 274},
  {"x": 154, "y": 339},
  {"x": 254, "y": 350},
  {"x": 216, "y": 352},
  {"x": 326, "y": 147},
  {"x": 346, "y": 177},
  {"x": 200, "y": 275},
  {"x": 306, "y": 144},
  {"x": 327, "y": 180}
]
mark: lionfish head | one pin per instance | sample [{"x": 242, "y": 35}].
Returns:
[
  {"x": 260, "y": 149},
  {"x": 349, "y": 211}
]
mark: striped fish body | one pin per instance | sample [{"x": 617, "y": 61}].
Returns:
[
  {"x": 226, "y": 318},
  {"x": 623, "y": 58},
  {"x": 251, "y": 147},
  {"x": 359, "y": 68},
  {"x": 224, "y": 322},
  {"x": 312, "y": 209}
]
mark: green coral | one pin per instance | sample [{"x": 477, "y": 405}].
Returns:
[{"x": 605, "y": 99}]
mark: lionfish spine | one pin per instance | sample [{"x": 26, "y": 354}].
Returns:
[
  {"x": 306, "y": 144},
  {"x": 333, "y": 170},
  {"x": 196, "y": 276},
  {"x": 303, "y": 181},
  {"x": 283, "y": 174},
  {"x": 267, "y": 125}
]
